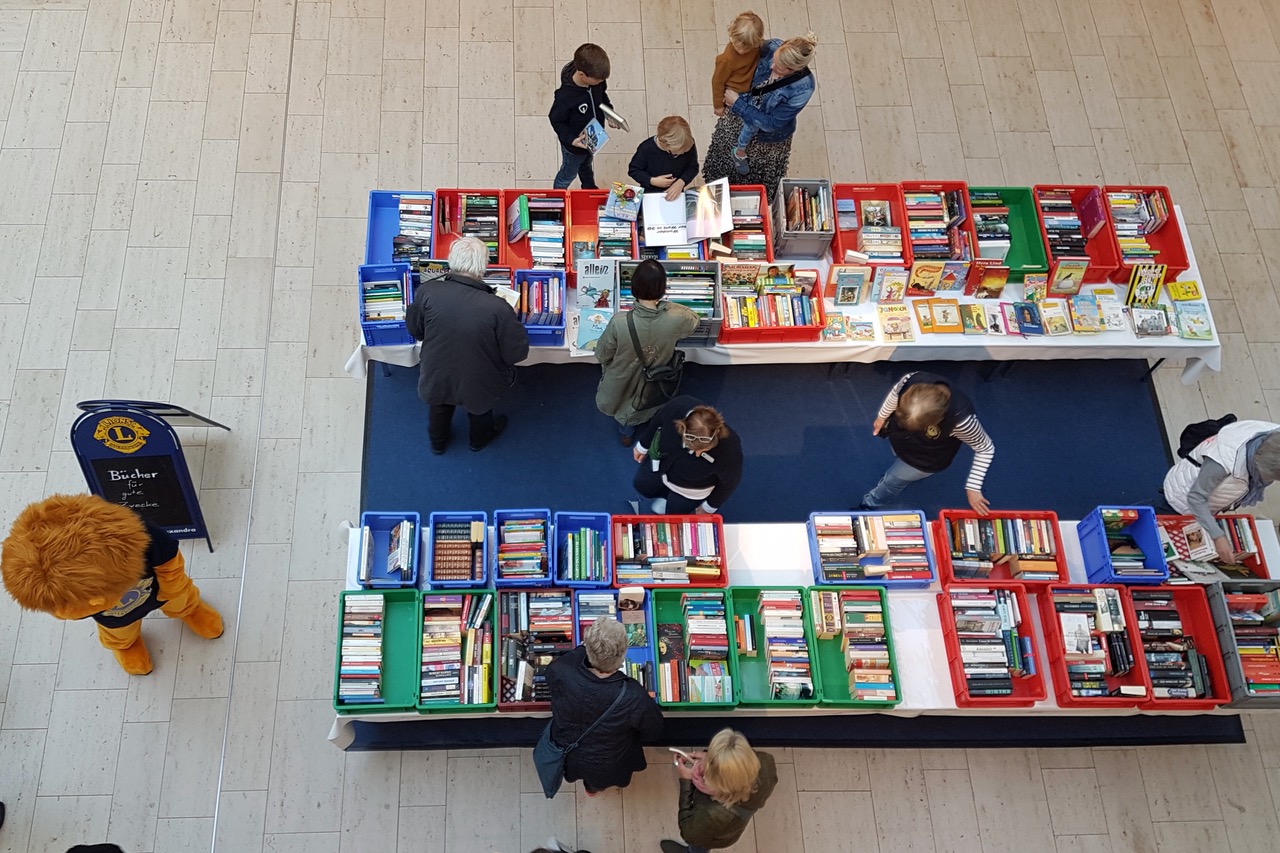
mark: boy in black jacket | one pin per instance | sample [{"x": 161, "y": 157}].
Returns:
[{"x": 582, "y": 94}]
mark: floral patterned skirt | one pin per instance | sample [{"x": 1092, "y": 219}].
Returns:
[{"x": 768, "y": 160}]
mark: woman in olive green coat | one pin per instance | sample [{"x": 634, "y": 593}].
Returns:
[{"x": 659, "y": 324}]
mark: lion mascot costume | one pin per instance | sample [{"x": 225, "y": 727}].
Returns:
[{"x": 78, "y": 556}]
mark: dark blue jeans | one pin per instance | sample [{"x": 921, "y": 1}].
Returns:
[{"x": 575, "y": 161}]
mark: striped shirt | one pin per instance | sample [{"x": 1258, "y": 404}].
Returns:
[{"x": 969, "y": 431}]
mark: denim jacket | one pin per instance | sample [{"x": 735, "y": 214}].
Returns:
[{"x": 774, "y": 113}]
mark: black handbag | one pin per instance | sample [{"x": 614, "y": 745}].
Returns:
[{"x": 661, "y": 381}]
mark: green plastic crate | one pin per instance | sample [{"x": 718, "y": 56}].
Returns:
[
  {"x": 458, "y": 707},
  {"x": 667, "y": 607},
  {"x": 401, "y": 651},
  {"x": 1026, "y": 244},
  {"x": 829, "y": 668},
  {"x": 752, "y": 680}
]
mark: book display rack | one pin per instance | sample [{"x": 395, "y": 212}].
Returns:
[
  {"x": 696, "y": 665},
  {"x": 521, "y": 553},
  {"x": 1140, "y": 217},
  {"x": 537, "y": 229},
  {"x": 389, "y": 549},
  {"x": 853, "y": 648},
  {"x": 583, "y": 554},
  {"x": 456, "y": 651},
  {"x": 770, "y": 303},
  {"x": 752, "y": 236},
  {"x": 1005, "y": 546}
]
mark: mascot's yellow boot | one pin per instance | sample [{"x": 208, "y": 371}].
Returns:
[
  {"x": 135, "y": 659},
  {"x": 205, "y": 621}
]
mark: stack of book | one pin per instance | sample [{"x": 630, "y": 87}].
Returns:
[
  {"x": 499, "y": 277},
  {"x": 457, "y": 551},
  {"x": 1176, "y": 668},
  {"x": 935, "y": 223},
  {"x": 413, "y": 244},
  {"x": 865, "y": 643},
  {"x": 755, "y": 298},
  {"x": 457, "y": 649},
  {"x": 666, "y": 552},
  {"x": 384, "y": 300},
  {"x": 401, "y": 545},
  {"x": 360, "y": 651},
  {"x": 1254, "y": 620},
  {"x": 809, "y": 209},
  {"x": 1191, "y": 554},
  {"x": 1137, "y": 214},
  {"x": 881, "y": 245},
  {"x": 1127, "y": 558},
  {"x": 542, "y": 220},
  {"x": 592, "y": 605},
  {"x": 995, "y": 647},
  {"x": 1067, "y": 226},
  {"x": 476, "y": 215},
  {"x": 693, "y": 285},
  {"x": 1095, "y": 642},
  {"x": 541, "y": 298},
  {"x": 693, "y": 663},
  {"x": 991, "y": 223},
  {"x": 631, "y": 612},
  {"x": 744, "y": 634},
  {"x": 522, "y": 548},
  {"x": 888, "y": 546},
  {"x": 536, "y": 628},
  {"x": 748, "y": 235},
  {"x": 613, "y": 237},
  {"x": 1027, "y": 547},
  {"x": 582, "y": 556},
  {"x": 786, "y": 649}
]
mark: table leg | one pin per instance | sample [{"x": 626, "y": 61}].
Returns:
[{"x": 1153, "y": 368}]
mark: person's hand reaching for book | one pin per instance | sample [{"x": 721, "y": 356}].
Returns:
[
  {"x": 1225, "y": 553},
  {"x": 673, "y": 191},
  {"x": 977, "y": 502},
  {"x": 662, "y": 181}
]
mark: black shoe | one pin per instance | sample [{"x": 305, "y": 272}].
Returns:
[
  {"x": 438, "y": 449},
  {"x": 669, "y": 846},
  {"x": 499, "y": 424},
  {"x": 1, "y": 814},
  {"x": 626, "y": 440},
  {"x": 862, "y": 508}
]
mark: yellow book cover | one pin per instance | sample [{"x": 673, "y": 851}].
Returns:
[
  {"x": 1182, "y": 291},
  {"x": 895, "y": 323},
  {"x": 946, "y": 316},
  {"x": 926, "y": 276}
]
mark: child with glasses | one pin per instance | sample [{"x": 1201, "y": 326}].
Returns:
[{"x": 689, "y": 460}]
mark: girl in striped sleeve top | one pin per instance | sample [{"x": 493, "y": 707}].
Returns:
[{"x": 926, "y": 420}]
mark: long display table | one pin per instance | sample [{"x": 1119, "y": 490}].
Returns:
[{"x": 778, "y": 554}]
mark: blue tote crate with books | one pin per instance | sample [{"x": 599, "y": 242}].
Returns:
[
  {"x": 399, "y": 213},
  {"x": 889, "y": 548},
  {"x": 582, "y": 555},
  {"x": 634, "y": 611},
  {"x": 521, "y": 548},
  {"x": 384, "y": 295},
  {"x": 389, "y": 555},
  {"x": 1121, "y": 544},
  {"x": 540, "y": 306},
  {"x": 456, "y": 551}
]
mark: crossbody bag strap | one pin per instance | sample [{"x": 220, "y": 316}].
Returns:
[
  {"x": 741, "y": 811},
  {"x": 756, "y": 91},
  {"x": 607, "y": 711},
  {"x": 635, "y": 340}
]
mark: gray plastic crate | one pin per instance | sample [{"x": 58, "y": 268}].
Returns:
[
  {"x": 708, "y": 331},
  {"x": 801, "y": 244},
  {"x": 1216, "y": 592}
]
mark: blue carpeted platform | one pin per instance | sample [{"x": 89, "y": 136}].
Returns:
[{"x": 1069, "y": 435}]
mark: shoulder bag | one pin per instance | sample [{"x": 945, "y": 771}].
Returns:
[
  {"x": 549, "y": 758},
  {"x": 661, "y": 381}
]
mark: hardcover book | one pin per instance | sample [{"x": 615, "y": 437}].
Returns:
[
  {"x": 1149, "y": 322},
  {"x": 895, "y": 323},
  {"x": 1193, "y": 321},
  {"x": 1068, "y": 277},
  {"x": 1181, "y": 291},
  {"x": 925, "y": 278},
  {"x": 890, "y": 285},
  {"x": 1144, "y": 284},
  {"x": 624, "y": 201}
]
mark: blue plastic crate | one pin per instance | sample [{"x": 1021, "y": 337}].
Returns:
[
  {"x": 890, "y": 583},
  {"x": 428, "y": 581},
  {"x": 383, "y": 332},
  {"x": 501, "y": 515},
  {"x": 1097, "y": 555},
  {"x": 572, "y": 522},
  {"x": 384, "y": 223},
  {"x": 545, "y": 334},
  {"x": 380, "y": 525},
  {"x": 635, "y": 654}
]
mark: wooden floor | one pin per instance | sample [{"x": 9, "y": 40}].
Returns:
[{"x": 182, "y": 197}]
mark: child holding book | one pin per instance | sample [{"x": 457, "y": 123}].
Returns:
[
  {"x": 734, "y": 69},
  {"x": 582, "y": 97},
  {"x": 667, "y": 161}
]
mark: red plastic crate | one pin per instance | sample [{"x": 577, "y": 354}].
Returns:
[
  {"x": 782, "y": 334},
  {"x": 1197, "y": 623},
  {"x": 1102, "y": 249},
  {"x": 1256, "y": 564},
  {"x": 518, "y": 255},
  {"x": 942, "y": 547},
  {"x": 502, "y": 632},
  {"x": 766, "y": 224},
  {"x": 874, "y": 192},
  {"x": 1027, "y": 690},
  {"x": 584, "y": 216},
  {"x": 1055, "y": 645},
  {"x": 940, "y": 187},
  {"x": 1167, "y": 241},
  {"x": 715, "y": 520},
  {"x": 448, "y": 199}
]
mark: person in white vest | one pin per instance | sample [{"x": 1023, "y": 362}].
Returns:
[{"x": 1223, "y": 473}]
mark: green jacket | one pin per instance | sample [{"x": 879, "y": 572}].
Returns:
[
  {"x": 620, "y": 385},
  {"x": 706, "y": 823}
]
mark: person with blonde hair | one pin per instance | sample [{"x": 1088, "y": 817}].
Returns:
[
  {"x": 720, "y": 791},
  {"x": 585, "y": 684},
  {"x": 734, "y": 69},
  {"x": 667, "y": 161},
  {"x": 926, "y": 420},
  {"x": 781, "y": 87},
  {"x": 689, "y": 460}
]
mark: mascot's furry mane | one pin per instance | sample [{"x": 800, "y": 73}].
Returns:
[{"x": 68, "y": 549}]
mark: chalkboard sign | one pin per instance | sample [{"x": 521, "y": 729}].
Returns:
[{"x": 148, "y": 485}]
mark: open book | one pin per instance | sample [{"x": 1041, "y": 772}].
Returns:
[{"x": 700, "y": 213}]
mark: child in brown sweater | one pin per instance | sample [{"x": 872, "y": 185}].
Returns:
[{"x": 735, "y": 68}]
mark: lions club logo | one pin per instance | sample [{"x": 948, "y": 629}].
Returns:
[
  {"x": 123, "y": 435},
  {"x": 932, "y": 431}
]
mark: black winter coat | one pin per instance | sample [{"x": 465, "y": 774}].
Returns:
[
  {"x": 613, "y": 751},
  {"x": 471, "y": 342}
]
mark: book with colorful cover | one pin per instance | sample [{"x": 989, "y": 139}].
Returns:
[
  {"x": 1114, "y": 316},
  {"x": 624, "y": 201},
  {"x": 1053, "y": 317},
  {"x": 1028, "y": 318},
  {"x": 890, "y": 285},
  {"x": 835, "y": 329},
  {"x": 1086, "y": 316},
  {"x": 923, "y": 309},
  {"x": 1144, "y": 284},
  {"x": 925, "y": 278},
  {"x": 1068, "y": 277},
  {"x": 594, "y": 136},
  {"x": 996, "y": 324},
  {"x": 955, "y": 276},
  {"x": 850, "y": 285},
  {"x": 946, "y": 316},
  {"x": 1035, "y": 288},
  {"x": 895, "y": 323},
  {"x": 973, "y": 318},
  {"x": 1149, "y": 322},
  {"x": 1009, "y": 313},
  {"x": 1182, "y": 291},
  {"x": 987, "y": 278},
  {"x": 862, "y": 331},
  {"x": 1193, "y": 321},
  {"x": 591, "y": 325}
]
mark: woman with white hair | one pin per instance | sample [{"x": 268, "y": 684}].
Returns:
[
  {"x": 584, "y": 685},
  {"x": 1223, "y": 473},
  {"x": 471, "y": 343}
]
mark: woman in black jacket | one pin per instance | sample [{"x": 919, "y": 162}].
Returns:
[
  {"x": 692, "y": 461},
  {"x": 583, "y": 685}
]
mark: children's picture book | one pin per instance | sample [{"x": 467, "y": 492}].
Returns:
[
  {"x": 987, "y": 278},
  {"x": 1086, "y": 316},
  {"x": 895, "y": 323},
  {"x": 1028, "y": 318},
  {"x": 973, "y": 318},
  {"x": 835, "y": 329},
  {"x": 946, "y": 316},
  {"x": 876, "y": 214},
  {"x": 1068, "y": 277},
  {"x": 591, "y": 325},
  {"x": 849, "y": 285},
  {"x": 624, "y": 201},
  {"x": 995, "y": 321},
  {"x": 1149, "y": 322},
  {"x": 925, "y": 278},
  {"x": 775, "y": 274},
  {"x": 597, "y": 281},
  {"x": 1009, "y": 313},
  {"x": 594, "y": 136},
  {"x": 862, "y": 331},
  {"x": 1144, "y": 284},
  {"x": 955, "y": 276},
  {"x": 1193, "y": 321},
  {"x": 891, "y": 285},
  {"x": 924, "y": 315},
  {"x": 1035, "y": 290},
  {"x": 1114, "y": 318},
  {"x": 1182, "y": 291},
  {"x": 700, "y": 213},
  {"x": 738, "y": 275},
  {"x": 1053, "y": 317}
]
